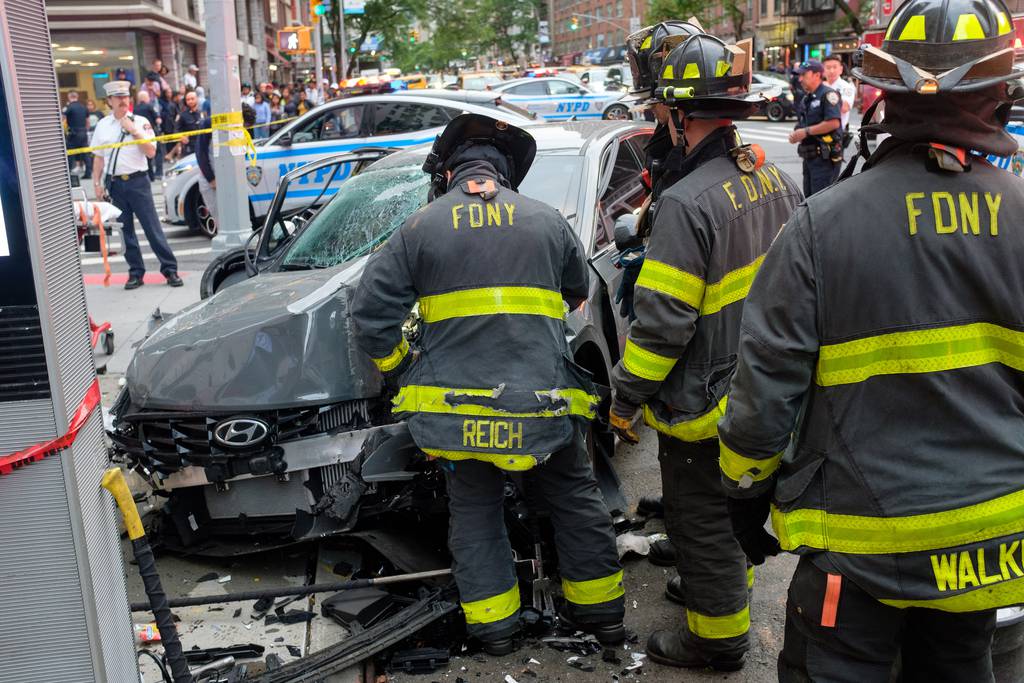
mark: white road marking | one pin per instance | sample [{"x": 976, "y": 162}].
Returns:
[{"x": 147, "y": 256}]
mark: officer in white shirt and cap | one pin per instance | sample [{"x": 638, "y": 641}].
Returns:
[{"x": 122, "y": 175}]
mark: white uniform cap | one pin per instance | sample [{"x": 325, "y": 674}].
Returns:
[{"x": 115, "y": 88}]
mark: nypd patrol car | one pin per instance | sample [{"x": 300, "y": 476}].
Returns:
[
  {"x": 393, "y": 120},
  {"x": 559, "y": 99}
]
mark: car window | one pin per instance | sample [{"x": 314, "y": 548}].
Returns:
[
  {"x": 341, "y": 122},
  {"x": 624, "y": 193},
  {"x": 397, "y": 118},
  {"x": 562, "y": 88},
  {"x": 531, "y": 88}
]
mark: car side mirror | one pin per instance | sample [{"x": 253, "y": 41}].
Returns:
[
  {"x": 285, "y": 140},
  {"x": 626, "y": 236}
]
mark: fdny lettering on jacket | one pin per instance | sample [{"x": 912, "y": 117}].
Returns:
[
  {"x": 946, "y": 213},
  {"x": 966, "y": 569},
  {"x": 502, "y": 434},
  {"x": 755, "y": 186},
  {"x": 480, "y": 214}
]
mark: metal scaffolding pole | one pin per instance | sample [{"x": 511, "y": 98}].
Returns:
[{"x": 233, "y": 224}]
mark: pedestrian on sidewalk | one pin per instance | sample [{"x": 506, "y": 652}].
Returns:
[
  {"x": 190, "y": 119},
  {"x": 76, "y": 117},
  {"x": 146, "y": 109},
  {"x": 191, "y": 79},
  {"x": 262, "y": 110},
  {"x": 122, "y": 175}
]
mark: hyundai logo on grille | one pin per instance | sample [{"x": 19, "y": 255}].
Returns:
[{"x": 240, "y": 432}]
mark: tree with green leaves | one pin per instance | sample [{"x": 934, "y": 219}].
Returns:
[
  {"x": 391, "y": 19},
  {"x": 513, "y": 26},
  {"x": 660, "y": 10}
]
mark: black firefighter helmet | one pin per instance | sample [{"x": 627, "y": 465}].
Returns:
[
  {"x": 708, "y": 79},
  {"x": 938, "y": 46},
  {"x": 645, "y": 52},
  {"x": 466, "y": 131}
]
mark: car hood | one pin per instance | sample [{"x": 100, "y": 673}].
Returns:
[{"x": 275, "y": 341}]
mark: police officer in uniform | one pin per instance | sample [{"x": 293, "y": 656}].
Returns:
[
  {"x": 884, "y": 417},
  {"x": 818, "y": 134},
  {"x": 76, "y": 116},
  {"x": 492, "y": 388},
  {"x": 122, "y": 174},
  {"x": 711, "y": 231}
]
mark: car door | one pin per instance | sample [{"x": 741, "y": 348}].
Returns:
[
  {"x": 574, "y": 100},
  {"x": 329, "y": 130},
  {"x": 531, "y": 95},
  {"x": 621, "y": 192}
]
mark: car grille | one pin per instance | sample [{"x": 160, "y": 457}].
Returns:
[{"x": 179, "y": 439}]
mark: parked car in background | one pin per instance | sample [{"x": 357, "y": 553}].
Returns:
[
  {"x": 561, "y": 99},
  {"x": 610, "y": 78},
  {"x": 391, "y": 120},
  {"x": 779, "y": 104},
  {"x": 255, "y": 414},
  {"x": 476, "y": 80}
]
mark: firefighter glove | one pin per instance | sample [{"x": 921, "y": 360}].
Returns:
[
  {"x": 623, "y": 417},
  {"x": 748, "y": 516}
]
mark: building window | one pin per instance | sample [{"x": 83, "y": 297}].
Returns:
[
  {"x": 618, "y": 8},
  {"x": 764, "y": 8},
  {"x": 778, "y": 6}
]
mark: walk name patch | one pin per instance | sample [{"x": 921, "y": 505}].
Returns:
[{"x": 980, "y": 567}]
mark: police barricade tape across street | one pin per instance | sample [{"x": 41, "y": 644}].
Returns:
[{"x": 239, "y": 140}]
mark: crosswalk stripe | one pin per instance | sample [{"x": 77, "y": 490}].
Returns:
[{"x": 150, "y": 257}]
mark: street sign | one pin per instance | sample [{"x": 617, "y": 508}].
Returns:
[
  {"x": 295, "y": 40},
  {"x": 634, "y": 24},
  {"x": 354, "y": 6},
  {"x": 543, "y": 33}
]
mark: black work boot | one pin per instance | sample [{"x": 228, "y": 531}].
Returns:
[
  {"x": 663, "y": 553},
  {"x": 606, "y": 632},
  {"x": 674, "y": 590},
  {"x": 676, "y": 648},
  {"x": 499, "y": 647}
]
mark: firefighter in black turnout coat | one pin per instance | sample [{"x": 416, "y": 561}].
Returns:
[{"x": 491, "y": 387}]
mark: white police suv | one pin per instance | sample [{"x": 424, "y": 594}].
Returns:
[
  {"x": 393, "y": 120},
  {"x": 560, "y": 99}
]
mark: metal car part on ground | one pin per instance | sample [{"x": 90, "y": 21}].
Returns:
[
  {"x": 394, "y": 121},
  {"x": 251, "y": 406}
]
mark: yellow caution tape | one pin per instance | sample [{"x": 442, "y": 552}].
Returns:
[{"x": 228, "y": 121}]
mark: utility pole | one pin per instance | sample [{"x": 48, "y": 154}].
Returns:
[
  {"x": 233, "y": 225},
  {"x": 343, "y": 41},
  {"x": 318, "y": 40}
]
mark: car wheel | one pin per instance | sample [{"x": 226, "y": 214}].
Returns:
[
  {"x": 225, "y": 270},
  {"x": 199, "y": 218},
  {"x": 616, "y": 112},
  {"x": 775, "y": 112}
]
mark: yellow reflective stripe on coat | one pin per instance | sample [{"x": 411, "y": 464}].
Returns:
[
  {"x": 490, "y": 610},
  {"x": 729, "y": 626},
  {"x": 393, "y": 359},
  {"x": 418, "y": 398},
  {"x": 736, "y": 466},
  {"x": 732, "y": 288},
  {"x": 646, "y": 364},
  {"x": 932, "y": 350},
  {"x": 505, "y": 461},
  {"x": 697, "y": 429},
  {"x": 594, "y": 591},
  {"x": 1001, "y": 594},
  {"x": 884, "y": 535},
  {"x": 666, "y": 279},
  {"x": 750, "y": 578},
  {"x": 492, "y": 301}
]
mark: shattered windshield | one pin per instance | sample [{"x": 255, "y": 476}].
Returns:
[
  {"x": 375, "y": 203},
  {"x": 366, "y": 211}
]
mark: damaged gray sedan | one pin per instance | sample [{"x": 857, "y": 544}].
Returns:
[{"x": 255, "y": 414}]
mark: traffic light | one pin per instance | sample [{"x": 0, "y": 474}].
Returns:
[
  {"x": 318, "y": 8},
  {"x": 414, "y": 36},
  {"x": 574, "y": 23}
]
